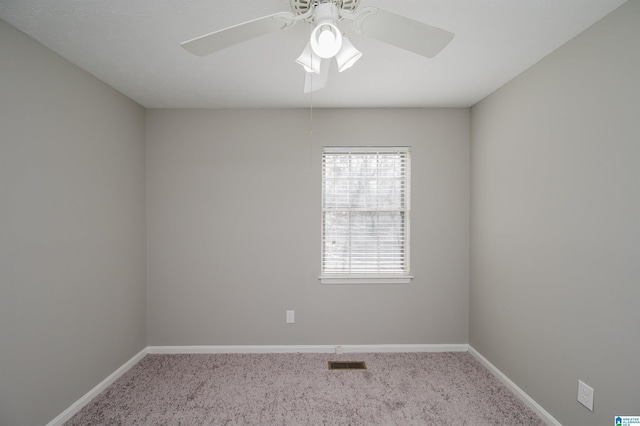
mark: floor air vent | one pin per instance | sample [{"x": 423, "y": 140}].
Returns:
[{"x": 347, "y": 365}]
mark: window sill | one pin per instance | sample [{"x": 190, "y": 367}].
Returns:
[{"x": 366, "y": 279}]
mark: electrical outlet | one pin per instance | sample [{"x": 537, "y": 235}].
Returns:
[
  {"x": 291, "y": 317},
  {"x": 585, "y": 395},
  {"x": 339, "y": 350}
]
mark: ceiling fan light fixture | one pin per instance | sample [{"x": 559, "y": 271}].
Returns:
[
  {"x": 309, "y": 60},
  {"x": 348, "y": 55},
  {"x": 326, "y": 39}
]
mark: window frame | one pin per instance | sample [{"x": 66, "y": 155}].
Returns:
[{"x": 404, "y": 277}]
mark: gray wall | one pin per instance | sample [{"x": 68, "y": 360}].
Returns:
[
  {"x": 555, "y": 282},
  {"x": 72, "y": 231},
  {"x": 234, "y": 229}
]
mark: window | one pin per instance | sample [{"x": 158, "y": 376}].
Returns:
[{"x": 365, "y": 215}]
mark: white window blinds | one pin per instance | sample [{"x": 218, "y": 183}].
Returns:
[{"x": 365, "y": 212}]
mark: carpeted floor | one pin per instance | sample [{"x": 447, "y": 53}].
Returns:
[{"x": 299, "y": 389}]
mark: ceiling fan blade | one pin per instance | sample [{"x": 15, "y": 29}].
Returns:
[
  {"x": 405, "y": 33},
  {"x": 314, "y": 82},
  {"x": 221, "y": 39}
]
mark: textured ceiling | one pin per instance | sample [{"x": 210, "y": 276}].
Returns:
[{"x": 134, "y": 46}]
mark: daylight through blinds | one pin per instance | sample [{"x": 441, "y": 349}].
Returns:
[{"x": 365, "y": 211}]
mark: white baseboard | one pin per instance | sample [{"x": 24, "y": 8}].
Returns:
[
  {"x": 256, "y": 349},
  {"x": 240, "y": 349},
  {"x": 530, "y": 402},
  {"x": 405, "y": 348},
  {"x": 77, "y": 406}
]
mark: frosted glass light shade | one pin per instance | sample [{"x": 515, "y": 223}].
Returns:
[
  {"x": 326, "y": 39},
  {"x": 348, "y": 55},
  {"x": 309, "y": 60}
]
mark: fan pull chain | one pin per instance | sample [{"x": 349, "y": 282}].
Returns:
[{"x": 311, "y": 122}]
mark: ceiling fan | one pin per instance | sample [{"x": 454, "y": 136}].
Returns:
[{"x": 327, "y": 41}]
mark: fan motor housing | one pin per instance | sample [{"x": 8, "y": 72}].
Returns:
[{"x": 300, "y": 7}]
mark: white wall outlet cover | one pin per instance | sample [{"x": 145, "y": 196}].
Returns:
[
  {"x": 291, "y": 317},
  {"x": 585, "y": 395}
]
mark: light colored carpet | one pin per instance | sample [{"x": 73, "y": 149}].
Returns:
[{"x": 298, "y": 389}]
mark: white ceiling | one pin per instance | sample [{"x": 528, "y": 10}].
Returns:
[{"x": 134, "y": 46}]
